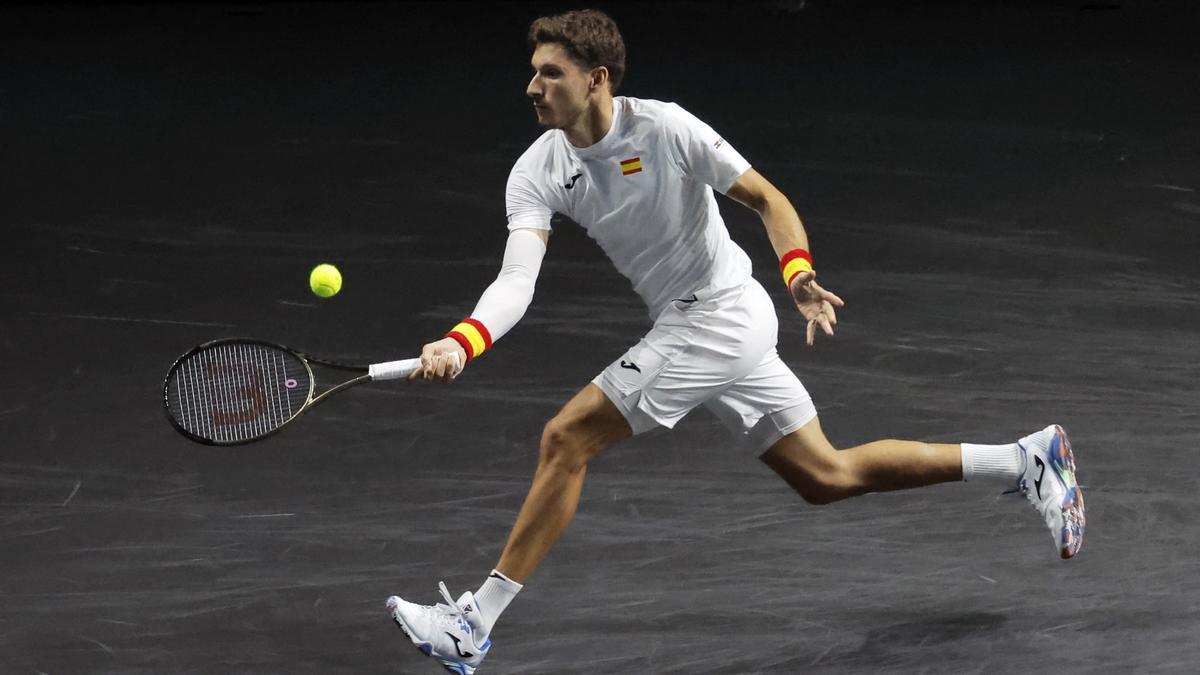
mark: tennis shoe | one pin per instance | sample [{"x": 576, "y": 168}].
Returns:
[
  {"x": 448, "y": 632},
  {"x": 1048, "y": 482}
]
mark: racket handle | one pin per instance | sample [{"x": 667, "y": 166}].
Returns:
[{"x": 393, "y": 370}]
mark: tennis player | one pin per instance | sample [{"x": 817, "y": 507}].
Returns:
[{"x": 639, "y": 176}]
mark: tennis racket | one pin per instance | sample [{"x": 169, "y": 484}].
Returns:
[{"x": 240, "y": 390}]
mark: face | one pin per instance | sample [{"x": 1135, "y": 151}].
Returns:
[{"x": 560, "y": 87}]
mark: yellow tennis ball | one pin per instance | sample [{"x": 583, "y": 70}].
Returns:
[{"x": 325, "y": 280}]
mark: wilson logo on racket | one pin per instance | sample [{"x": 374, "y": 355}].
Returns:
[
  {"x": 243, "y": 383},
  {"x": 238, "y": 390}
]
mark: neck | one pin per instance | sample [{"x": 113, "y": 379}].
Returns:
[{"x": 593, "y": 123}]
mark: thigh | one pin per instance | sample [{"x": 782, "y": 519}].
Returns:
[
  {"x": 805, "y": 448},
  {"x": 809, "y": 463},
  {"x": 765, "y": 406},
  {"x": 591, "y": 419}
]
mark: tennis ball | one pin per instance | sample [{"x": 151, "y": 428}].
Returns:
[{"x": 325, "y": 280}]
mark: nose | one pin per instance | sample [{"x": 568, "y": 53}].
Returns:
[{"x": 533, "y": 89}]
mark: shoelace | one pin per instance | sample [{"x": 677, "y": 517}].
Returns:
[{"x": 452, "y": 607}]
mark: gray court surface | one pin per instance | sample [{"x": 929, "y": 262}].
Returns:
[{"x": 1005, "y": 194}]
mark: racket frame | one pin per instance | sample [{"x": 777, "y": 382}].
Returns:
[{"x": 309, "y": 402}]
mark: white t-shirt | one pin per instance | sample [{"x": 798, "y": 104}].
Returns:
[{"x": 644, "y": 193}]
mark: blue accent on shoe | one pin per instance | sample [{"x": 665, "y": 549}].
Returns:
[
  {"x": 454, "y": 667},
  {"x": 426, "y": 648},
  {"x": 1058, "y": 458}
]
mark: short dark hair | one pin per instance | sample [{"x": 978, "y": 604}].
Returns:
[{"x": 589, "y": 36}]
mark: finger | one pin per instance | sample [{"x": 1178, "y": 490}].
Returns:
[
  {"x": 427, "y": 356},
  {"x": 824, "y": 321},
  {"x": 827, "y": 310},
  {"x": 831, "y": 298},
  {"x": 450, "y": 366},
  {"x": 440, "y": 367},
  {"x": 812, "y": 332}
]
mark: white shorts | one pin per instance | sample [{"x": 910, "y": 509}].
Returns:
[{"x": 716, "y": 349}]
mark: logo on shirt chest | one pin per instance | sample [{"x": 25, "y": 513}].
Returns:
[{"x": 631, "y": 166}]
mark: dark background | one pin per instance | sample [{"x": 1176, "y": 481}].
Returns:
[{"x": 1003, "y": 192}]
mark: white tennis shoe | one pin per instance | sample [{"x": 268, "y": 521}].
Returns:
[
  {"x": 447, "y": 632},
  {"x": 1049, "y": 483}
]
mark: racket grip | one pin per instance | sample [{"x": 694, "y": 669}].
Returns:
[{"x": 393, "y": 370}]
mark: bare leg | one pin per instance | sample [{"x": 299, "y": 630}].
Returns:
[
  {"x": 585, "y": 426},
  {"x": 822, "y": 474}
]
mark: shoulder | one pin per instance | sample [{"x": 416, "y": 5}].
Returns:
[
  {"x": 665, "y": 117},
  {"x": 539, "y": 164},
  {"x": 533, "y": 175},
  {"x": 648, "y": 110},
  {"x": 535, "y": 158}
]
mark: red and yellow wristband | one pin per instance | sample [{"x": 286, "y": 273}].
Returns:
[
  {"x": 794, "y": 262},
  {"x": 473, "y": 336}
]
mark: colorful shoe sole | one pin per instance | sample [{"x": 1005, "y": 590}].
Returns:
[{"x": 1074, "y": 516}]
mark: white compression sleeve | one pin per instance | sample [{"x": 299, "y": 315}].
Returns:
[{"x": 504, "y": 302}]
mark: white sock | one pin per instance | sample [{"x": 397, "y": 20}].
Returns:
[
  {"x": 493, "y": 598},
  {"x": 1001, "y": 463}
]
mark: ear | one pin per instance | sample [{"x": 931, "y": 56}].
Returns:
[{"x": 599, "y": 76}]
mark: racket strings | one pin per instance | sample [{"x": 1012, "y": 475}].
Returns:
[{"x": 235, "y": 391}]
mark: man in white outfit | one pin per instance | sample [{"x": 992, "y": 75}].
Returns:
[{"x": 639, "y": 176}]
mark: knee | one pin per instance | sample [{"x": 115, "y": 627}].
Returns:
[
  {"x": 830, "y": 487},
  {"x": 563, "y": 446},
  {"x": 824, "y": 493},
  {"x": 823, "y": 483}
]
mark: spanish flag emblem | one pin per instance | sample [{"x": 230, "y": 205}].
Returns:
[{"x": 631, "y": 166}]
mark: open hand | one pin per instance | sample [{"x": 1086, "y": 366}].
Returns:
[{"x": 815, "y": 303}]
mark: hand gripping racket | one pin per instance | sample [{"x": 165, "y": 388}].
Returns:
[{"x": 240, "y": 390}]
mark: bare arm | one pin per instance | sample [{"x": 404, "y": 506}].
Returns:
[
  {"x": 786, "y": 233},
  {"x": 784, "y": 228}
]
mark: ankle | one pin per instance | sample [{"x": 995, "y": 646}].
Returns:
[
  {"x": 493, "y": 597},
  {"x": 998, "y": 463}
]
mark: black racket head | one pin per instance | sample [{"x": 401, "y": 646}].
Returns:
[{"x": 236, "y": 390}]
